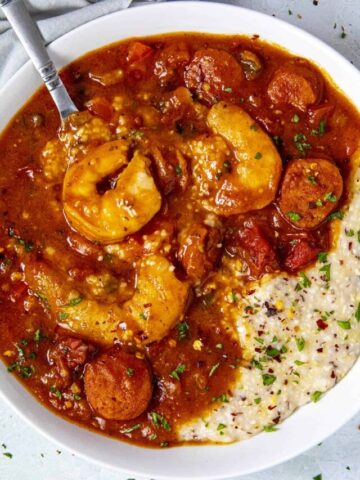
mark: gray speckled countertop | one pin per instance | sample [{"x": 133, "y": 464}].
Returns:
[{"x": 338, "y": 458}]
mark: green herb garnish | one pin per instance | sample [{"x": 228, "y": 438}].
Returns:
[
  {"x": 221, "y": 398},
  {"x": 268, "y": 379},
  {"x": 178, "y": 371},
  {"x": 315, "y": 396},
  {"x": 183, "y": 330},
  {"x": 73, "y": 302},
  {"x": 335, "y": 215},
  {"x": 300, "y": 343},
  {"x": 270, "y": 428},
  {"x": 294, "y": 217},
  {"x": 131, "y": 429},
  {"x": 344, "y": 324}
]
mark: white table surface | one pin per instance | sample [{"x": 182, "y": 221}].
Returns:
[{"x": 337, "y": 458}]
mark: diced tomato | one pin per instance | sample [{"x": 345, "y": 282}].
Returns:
[
  {"x": 321, "y": 324},
  {"x": 68, "y": 354},
  {"x": 100, "y": 107},
  {"x": 257, "y": 245},
  {"x": 138, "y": 51},
  {"x": 301, "y": 254},
  {"x": 199, "y": 250}
]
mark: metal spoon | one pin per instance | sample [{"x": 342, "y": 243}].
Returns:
[{"x": 30, "y": 37}]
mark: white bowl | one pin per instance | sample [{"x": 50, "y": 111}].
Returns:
[{"x": 309, "y": 425}]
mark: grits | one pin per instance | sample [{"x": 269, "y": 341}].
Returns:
[{"x": 312, "y": 321}]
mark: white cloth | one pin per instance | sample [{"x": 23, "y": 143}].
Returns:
[{"x": 55, "y": 18}]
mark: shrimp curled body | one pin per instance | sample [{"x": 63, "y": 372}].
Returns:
[{"x": 120, "y": 211}]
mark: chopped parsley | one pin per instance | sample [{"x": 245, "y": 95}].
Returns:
[
  {"x": 301, "y": 143},
  {"x": 335, "y": 215},
  {"x": 26, "y": 371},
  {"x": 13, "y": 366},
  {"x": 295, "y": 118},
  {"x": 55, "y": 391},
  {"x": 258, "y": 155},
  {"x": 234, "y": 297},
  {"x": 221, "y": 398},
  {"x": 74, "y": 301},
  {"x": 349, "y": 233},
  {"x": 270, "y": 428},
  {"x": 257, "y": 400},
  {"x": 131, "y": 429},
  {"x": 159, "y": 420},
  {"x": 322, "y": 257},
  {"x": 300, "y": 343},
  {"x": 299, "y": 362},
  {"x": 255, "y": 363},
  {"x": 268, "y": 379},
  {"x": 294, "y": 217},
  {"x": 320, "y": 130},
  {"x": 221, "y": 427},
  {"x": 8, "y": 455},
  {"x": 63, "y": 316},
  {"x": 326, "y": 269},
  {"x": 272, "y": 352},
  {"x": 330, "y": 197},
  {"x": 344, "y": 324},
  {"x": 129, "y": 372},
  {"x": 183, "y": 330},
  {"x": 304, "y": 282},
  {"x": 254, "y": 127},
  {"x": 228, "y": 90},
  {"x": 318, "y": 477},
  {"x": 219, "y": 346},
  {"x": 28, "y": 246},
  {"x": 312, "y": 179},
  {"x": 315, "y": 396},
  {"x": 178, "y": 371},
  {"x": 357, "y": 313}
]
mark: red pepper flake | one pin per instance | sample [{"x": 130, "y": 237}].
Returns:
[{"x": 321, "y": 324}]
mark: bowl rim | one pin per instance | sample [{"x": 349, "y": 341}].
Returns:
[{"x": 231, "y": 471}]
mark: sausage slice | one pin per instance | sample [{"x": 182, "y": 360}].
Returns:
[
  {"x": 213, "y": 75},
  {"x": 310, "y": 191},
  {"x": 118, "y": 385},
  {"x": 296, "y": 84}
]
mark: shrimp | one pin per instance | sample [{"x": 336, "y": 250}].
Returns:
[
  {"x": 243, "y": 177},
  {"x": 158, "y": 303},
  {"x": 118, "y": 212},
  {"x": 159, "y": 300}
]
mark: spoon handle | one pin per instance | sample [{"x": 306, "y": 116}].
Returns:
[{"x": 30, "y": 37}]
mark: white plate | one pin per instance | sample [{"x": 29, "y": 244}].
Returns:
[{"x": 309, "y": 425}]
